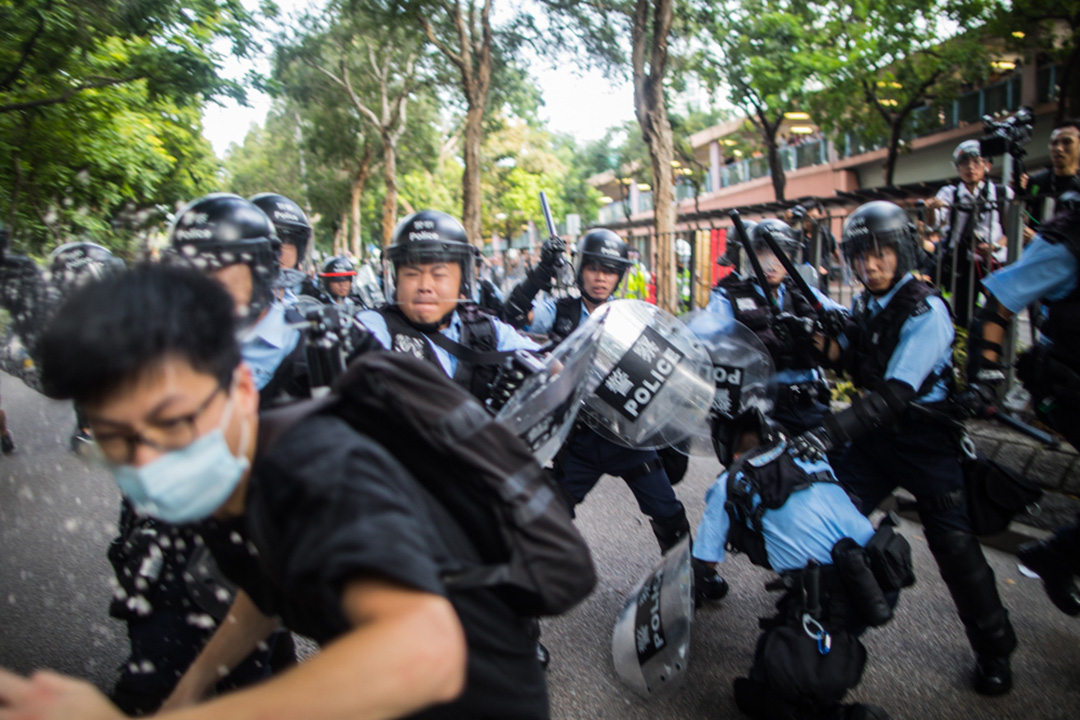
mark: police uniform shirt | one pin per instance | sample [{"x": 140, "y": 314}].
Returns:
[
  {"x": 507, "y": 338},
  {"x": 1046, "y": 271},
  {"x": 988, "y": 223},
  {"x": 805, "y": 527},
  {"x": 267, "y": 343},
  {"x": 925, "y": 344},
  {"x": 720, "y": 303},
  {"x": 327, "y": 505}
]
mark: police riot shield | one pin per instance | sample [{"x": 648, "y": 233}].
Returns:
[
  {"x": 366, "y": 288},
  {"x": 651, "y": 643},
  {"x": 543, "y": 410},
  {"x": 651, "y": 384},
  {"x": 742, "y": 371}
]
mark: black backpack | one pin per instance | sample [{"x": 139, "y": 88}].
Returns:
[{"x": 483, "y": 475}]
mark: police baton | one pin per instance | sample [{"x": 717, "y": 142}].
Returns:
[
  {"x": 1017, "y": 424},
  {"x": 744, "y": 239},
  {"x": 793, "y": 273},
  {"x": 559, "y": 260}
]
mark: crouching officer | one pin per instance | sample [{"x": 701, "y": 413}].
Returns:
[
  {"x": 839, "y": 576},
  {"x": 899, "y": 354},
  {"x": 802, "y": 393},
  {"x": 430, "y": 277},
  {"x": 602, "y": 262},
  {"x": 1047, "y": 272}
]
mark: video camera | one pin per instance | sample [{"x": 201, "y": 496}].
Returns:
[{"x": 1007, "y": 136}]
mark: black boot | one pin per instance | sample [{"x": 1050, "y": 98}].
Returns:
[
  {"x": 1055, "y": 560},
  {"x": 971, "y": 583},
  {"x": 670, "y": 530},
  {"x": 708, "y": 585}
]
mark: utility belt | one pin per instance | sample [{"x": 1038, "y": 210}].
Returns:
[
  {"x": 803, "y": 394},
  {"x": 856, "y": 582}
]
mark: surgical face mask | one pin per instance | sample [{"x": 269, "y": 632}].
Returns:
[{"x": 189, "y": 484}]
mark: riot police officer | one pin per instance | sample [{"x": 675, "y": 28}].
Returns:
[
  {"x": 336, "y": 281},
  {"x": 234, "y": 241},
  {"x": 1047, "y": 272},
  {"x": 602, "y": 261},
  {"x": 802, "y": 395},
  {"x": 294, "y": 231},
  {"x": 791, "y": 515},
  {"x": 430, "y": 281},
  {"x": 899, "y": 352}
]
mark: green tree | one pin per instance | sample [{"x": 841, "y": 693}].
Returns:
[
  {"x": 761, "y": 51},
  {"x": 1038, "y": 24},
  {"x": 885, "y": 59}
]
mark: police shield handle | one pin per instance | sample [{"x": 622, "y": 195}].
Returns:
[
  {"x": 650, "y": 647},
  {"x": 550, "y": 222},
  {"x": 744, "y": 240}
]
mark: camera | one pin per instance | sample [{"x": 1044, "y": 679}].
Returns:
[{"x": 1008, "y": 136}]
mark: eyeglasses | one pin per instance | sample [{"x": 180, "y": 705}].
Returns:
[{"x": 165, "y": 436}]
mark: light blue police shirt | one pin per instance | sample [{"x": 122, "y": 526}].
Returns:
[
  {"x": 806, "y": 526},
  {"x": 264, "y": 345},
  {"x": 544, "y": 316},
  {"x": 1046, "y": 271},
  {"x": 925, "y": 344},
  {"x": 720, "y": 303},
  {"x": 507, "y": 338}
]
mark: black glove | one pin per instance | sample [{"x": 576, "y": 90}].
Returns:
[
  {"x": 811, "y": 446},
  {"x": 551, "y": 255},
  {"x": 800, "y": 329},
  {"x": 834, "y": 323}
]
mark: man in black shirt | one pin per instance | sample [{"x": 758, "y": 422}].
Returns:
[
  {"x": 349, "y": 551},
  {"x": 1063, "y": 173}
]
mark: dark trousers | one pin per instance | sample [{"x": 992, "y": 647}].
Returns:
[{"x": 587, "y": 456}]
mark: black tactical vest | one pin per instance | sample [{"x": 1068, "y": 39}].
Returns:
[
  {"x": 477, "y": 333},
  {"x": 751, "y": 308},
  {"x": 567, "y": 318},
  {"x": 771, "y": 473},
  {"x": 879, "y": 336}
]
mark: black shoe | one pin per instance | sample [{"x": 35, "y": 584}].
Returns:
[
  {"x": 708, "y": 585},
  {"x": 1058, "y": 579},
  {"x": 542, "y": 655},
  {"x": 7, "y": 443},
  {"x": 992, "y": 674}
]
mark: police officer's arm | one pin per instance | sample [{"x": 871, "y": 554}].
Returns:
[
  {"x": 406, "y": 651},
  {"x": 238, "y": 635},
  {"x": 518, "y": 308}
]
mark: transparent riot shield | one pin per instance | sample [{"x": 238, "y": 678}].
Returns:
[
  {"x": 651, "y": 643},
  {"x": 651, "y": 384},
  {"x": 543, "y": 410},
  {"x": 742, "y": 371}
]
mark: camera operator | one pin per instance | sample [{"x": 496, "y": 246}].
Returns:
[
  {"x": 972, "y": 234},
  {"x": 1063, "y": 173}
]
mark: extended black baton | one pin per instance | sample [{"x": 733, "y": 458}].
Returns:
[
  {"x": 744, "y": 239},
  {"x": 1017, "y": 424},
  {"x": 793, "y": 273},
  {"x": 559, "y": 261}
]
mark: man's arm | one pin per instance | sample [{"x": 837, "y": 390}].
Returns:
[
  {"x": 406, "y": 651},
  {"x": 238, "y": 635}
]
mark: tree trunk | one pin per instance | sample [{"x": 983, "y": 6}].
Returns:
[
  {"x": 470, "y": 180},
  {"x": 651, "y": 26},
  {"x": 776, "y": 167},
  {"x": 894, "y": 150},
  {"x": 389, "y": 215},
  {"x": 355, "y": 192}
]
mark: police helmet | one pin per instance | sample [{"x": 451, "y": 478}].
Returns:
[
  {"x": 430, "y": 236},
  {"x": 728, "y": 430},
  {"x": 75, "y": 263},
  {"x": 968, "y": 148},
  {"x": 222, "y": 229},
  {"x": 880, "y": 224},
  {"x": 289, "y": 221},
  {"x": 604, "y": 248},
  {"x": 334, "y": 269},
  {"x": 781, "y": 232}
]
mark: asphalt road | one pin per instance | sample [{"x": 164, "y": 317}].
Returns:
[{"x": 57, "y": 516}]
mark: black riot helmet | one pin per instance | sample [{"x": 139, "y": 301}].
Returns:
[
  {"x": 604, "y": 248},
  {"x": 730, "y": 258},
  {"x": 289, "y": 221},
  {"x": 728, "y": 430},
  {"x": 73, "y": 264},
  {"x": 880, "y": 224},
  {"x": 781, "y": 232},
  {"x": 426, "y": 237},
  {"x": 336, "y": 268},
  {"x": 222, "y": 229}
]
